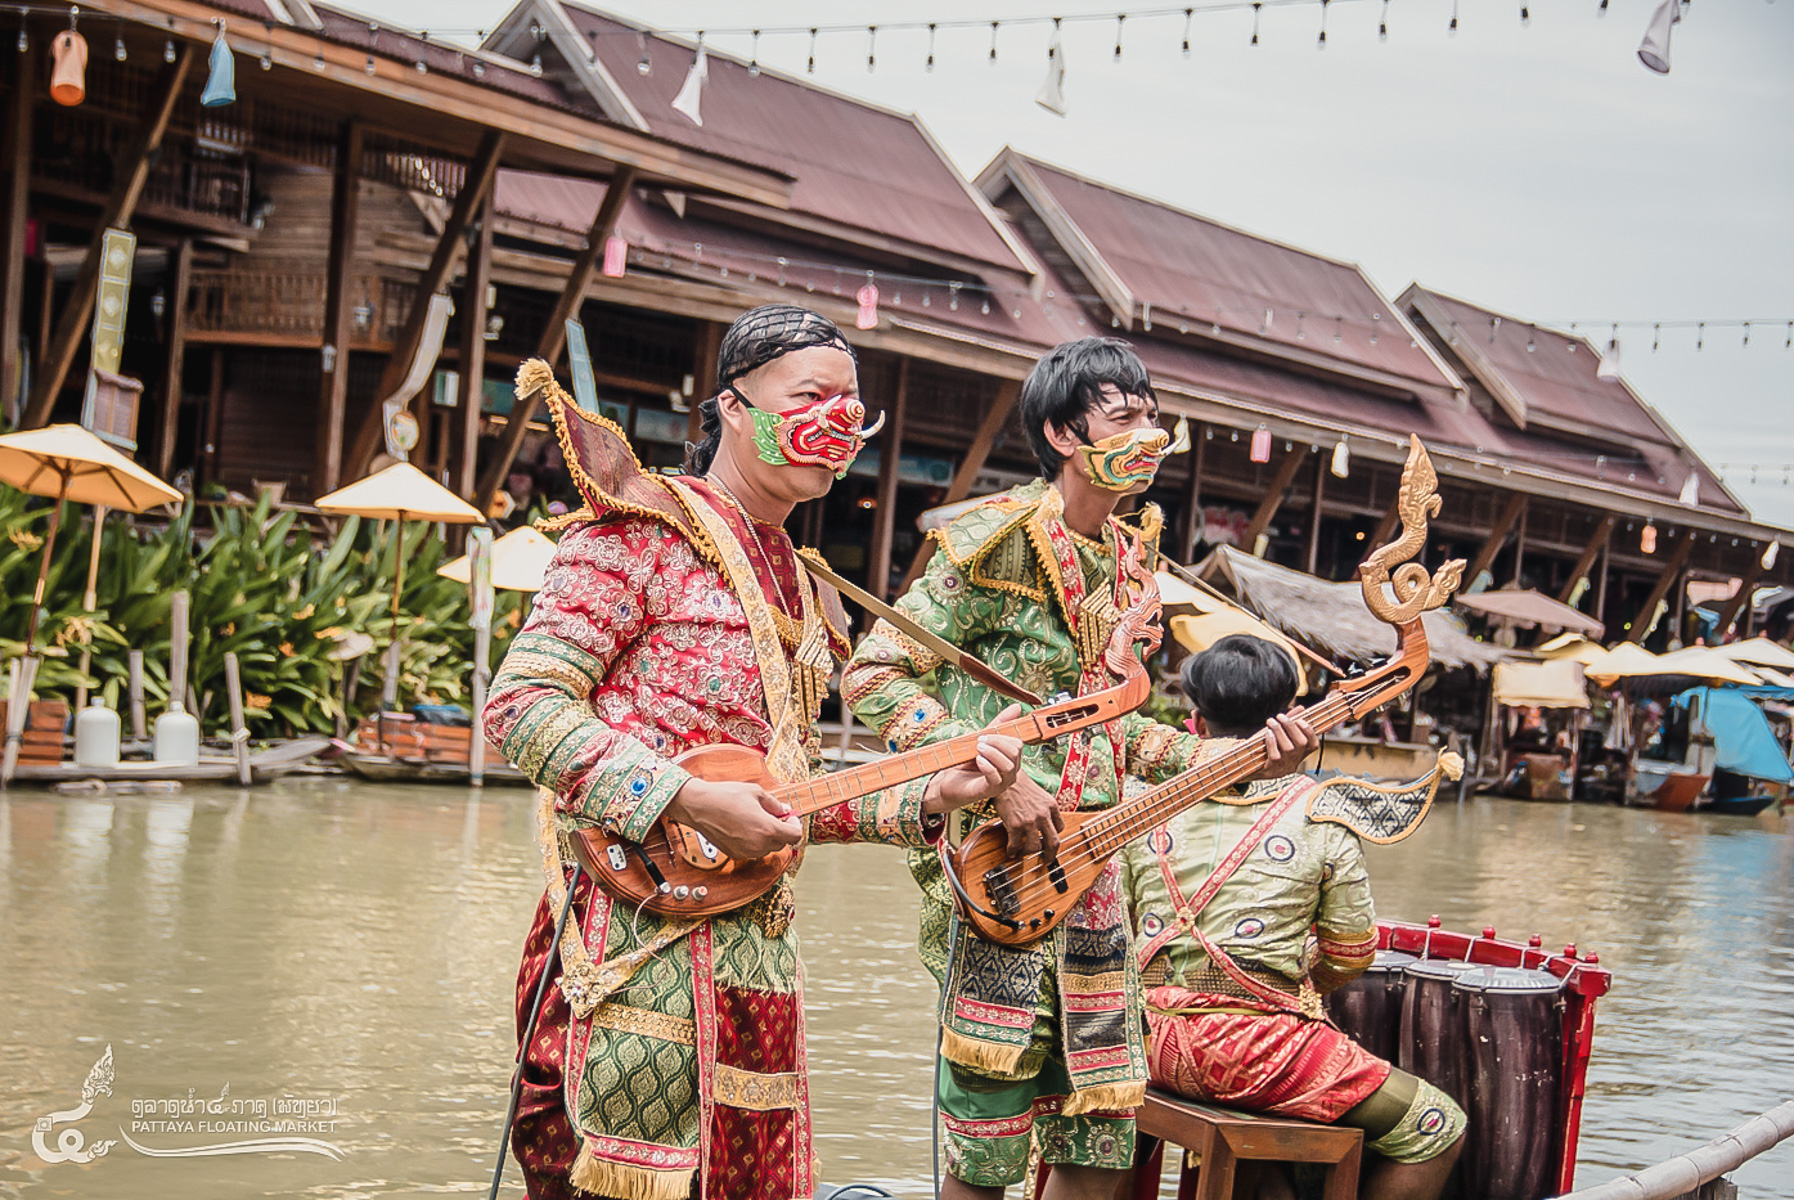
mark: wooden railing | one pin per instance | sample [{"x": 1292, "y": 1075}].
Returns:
[{"x": 289, "y": 305}]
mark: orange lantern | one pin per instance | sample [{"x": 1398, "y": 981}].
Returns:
[{"x": 68, "y": 70}]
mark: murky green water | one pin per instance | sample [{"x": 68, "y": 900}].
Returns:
[{"x": 325, "y": 941}]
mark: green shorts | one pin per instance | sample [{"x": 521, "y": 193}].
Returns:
[{"x": 990, "y": 1121}]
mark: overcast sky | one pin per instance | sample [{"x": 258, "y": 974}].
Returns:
[{"x": 1538, "y": 169}]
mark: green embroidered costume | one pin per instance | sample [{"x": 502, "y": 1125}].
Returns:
[{"x": 1044, "y": 1038}]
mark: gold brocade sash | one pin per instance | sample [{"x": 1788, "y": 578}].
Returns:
[{"x": 786, "y": 757}]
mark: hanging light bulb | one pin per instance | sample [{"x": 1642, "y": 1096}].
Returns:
[
  {"x": 993, "y": 43},
  {"x": 1647, "y": 539},
  {"x": 1608, "y": 371},
  {"x": 1700, "y": 334},
  {"x": 369, "y": 65},
  {"x": 1321, "y": 42},
  {"x": 1118, "y": 22},
  {"x": 871, "y": 48},
  {"x": 1531, "y": 345},
  {"x": 643, "y": 65},
  {"x": 811, "y": 68},
  {"x": 1187, "y": 14},
  {"x": 1383, "y": 23},
  {"x": 1525, "y": 14},
  {"x": 267, "y": 60},
  {"x": 1255, "y": 7},
  {"x": 118, "y": 47},
  {"x": 535, "y": 65},
  {"x": 1452, "y": 29},
  {"x": 1747, "y": 335},
  {"x": 25, "y": 40},
  {"x": 317, "y": 59},
  {"x": 1656, "y": 337},
  {"x": 754, "y": 57},
  {"x": 929, "y": 65}
]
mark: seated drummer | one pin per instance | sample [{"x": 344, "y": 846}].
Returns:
[{"x": 1283, "y": 914}]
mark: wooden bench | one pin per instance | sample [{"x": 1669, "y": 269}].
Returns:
[{"x": 1223, "y": 1147}]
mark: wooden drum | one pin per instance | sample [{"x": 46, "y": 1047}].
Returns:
[
  {"x": 1513, "y": 1074},
  {"x": 1369, "y": 1009},
  {"x": 1431, "y": 1042}
]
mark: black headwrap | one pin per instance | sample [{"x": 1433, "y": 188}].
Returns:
[{"x": 757, "y": 337}]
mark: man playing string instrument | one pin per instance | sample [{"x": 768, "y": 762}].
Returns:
[
  {"x": 1247, "y": 909},
  {"x": 676, "y": 614},
  {"x": 1044, "y": 1041}
]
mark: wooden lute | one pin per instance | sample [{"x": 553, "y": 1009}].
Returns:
[
  {"x": 675, "y": 871},
  {"x": 1016, "y": 901}
]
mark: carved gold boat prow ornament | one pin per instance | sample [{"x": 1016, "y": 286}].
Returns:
[{"x": 1015, "y": 901}]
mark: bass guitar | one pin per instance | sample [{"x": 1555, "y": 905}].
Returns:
[
  {"x": 1017, "y": 901},
  {"x": 676, "y": 871}
]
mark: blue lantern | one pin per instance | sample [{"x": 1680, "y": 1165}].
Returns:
[{"x": 221, "y": 84}]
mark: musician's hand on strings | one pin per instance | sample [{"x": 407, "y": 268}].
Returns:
[
  {"x": 1288, "y": 741},
  {"x": 993, "y": 771},
  {"x": 1031, "y": 818},
  {"x": 743, "y": 820}
]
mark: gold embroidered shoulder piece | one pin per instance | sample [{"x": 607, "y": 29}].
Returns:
[{"x": 990, "y": 543}]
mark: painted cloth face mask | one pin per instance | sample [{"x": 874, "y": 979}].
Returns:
[
  {"x": 825, "y": 433},
  {"x": 1122, "y": 462}
]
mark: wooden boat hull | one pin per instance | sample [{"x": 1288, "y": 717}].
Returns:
[
  {"x": 264, "y": 765},
  {"x": 383, "y": 768}
]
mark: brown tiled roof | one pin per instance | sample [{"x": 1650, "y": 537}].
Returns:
[
  {"x": 855, "y": 164},
  {"x": 1190, "y": 266}
]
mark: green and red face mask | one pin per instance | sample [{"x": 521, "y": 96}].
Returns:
[{"x": 824, "y": 433}]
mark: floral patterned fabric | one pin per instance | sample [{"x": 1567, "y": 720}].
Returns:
[{"x": 692, "y": 1069}]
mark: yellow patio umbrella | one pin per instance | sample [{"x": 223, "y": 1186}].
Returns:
[
  {"x": 1625, "y": 660},
  {"x": 400, "y": 493},
  {"x": 69, "y": 463},
  {"x": 1758, "y": 652},
  {"x": 519, "y": 561},
  {"x": 1628, "y": 660}
]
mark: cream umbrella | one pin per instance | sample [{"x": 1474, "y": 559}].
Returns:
[
  {"x": 1197, "y": 633},
  {"x": 519, "y": 561},
  {"x": 1758, "y": 652},
  {"x": 69, "y": 463},
  {"x": 400, "y": 493},
  {"x": 1629, "y": 660}
]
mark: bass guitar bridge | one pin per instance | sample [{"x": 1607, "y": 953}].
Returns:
[{"x": 1001, "y": 889}]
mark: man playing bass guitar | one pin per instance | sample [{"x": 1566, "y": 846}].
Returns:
[
  {"x": 1042, "y": 1040},
  {"x": 676, "y": 614}
]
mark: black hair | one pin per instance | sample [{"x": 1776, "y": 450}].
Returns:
[
  {"x": 1066, "y": 383},
  {"x": 1239, "y": 683},
  {"x": 757, "y": 337}
]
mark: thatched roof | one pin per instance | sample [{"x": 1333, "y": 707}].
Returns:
[{"x": 1331, "y": 617}]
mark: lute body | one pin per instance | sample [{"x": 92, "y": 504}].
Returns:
[{"x": 676, "y": 872}]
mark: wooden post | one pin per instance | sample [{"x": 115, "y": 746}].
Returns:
[
  {"x": 333, "y": 387},
  {"x": 1189, "y": 530},
  {"x": 554, "y": 336},
  {"x": 239, "y": 733},
  {"x": 134, "y": 689},
  {"x": 995, "y": 417},
  {"x": 1520, "y": 547},
  {"x": 1284, "y": 475},
  {"x": 16, "y": 198},
  {"x": 1321, "y": 467},
  {"x": 212, "y": 421},
  {"x": 1740, "y": 600},
  {"x": 1672, "y": 567},
  {"x": 709, "y": 343},
  {"x": 131, "y": 172},
  {"x": 174, "y": 361},
  {"x": 465, "y": 442},
  {"x": 890, "y": 450},
  {"x": 1596, "y": 542},
  {"x": 475, "y": 187},
  {"x": 1504, "y": 524},
  {"x": 1601, "y": 584}
]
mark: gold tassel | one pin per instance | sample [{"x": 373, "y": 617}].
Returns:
[
  {"x": 624, "y": 1182},
  {"x": 987, "y": 1057},
  {"x": 1111, "y": 1097}
]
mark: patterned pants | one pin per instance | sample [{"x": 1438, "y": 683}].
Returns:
[
  {"x": 1244, "y": 1055},
  {"x": 989, "y": 1123}
]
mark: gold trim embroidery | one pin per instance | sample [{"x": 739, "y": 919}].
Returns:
[
  {"x": 753, "y": 1091},
  {"x": 623, "y": 1018}
]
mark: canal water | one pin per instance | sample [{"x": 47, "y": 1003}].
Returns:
[{"x": 341, "y": 956}]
